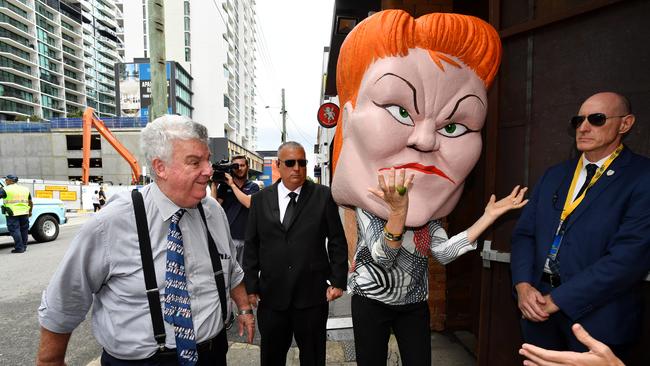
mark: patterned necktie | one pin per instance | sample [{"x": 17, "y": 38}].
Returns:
[
  {"x": 591, "y": 171},
  {"x": 177, "y": 298},
  {"x": 291, "y": 208}
]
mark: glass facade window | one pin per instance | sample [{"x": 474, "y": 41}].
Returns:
[
  {"x": 70, "y": 85},
  {"x": 49, "y": 89},
  {"x": 183, "y": 110},
  {"x": 14, "y": 8},
  {"x": 41, "y": 22},
  {"x": 8, "y": 105},
  {"x": 45, "y": 50},
  {"x": 67, "y": 37},
  {"x": 8, "y": 91},
  {"x": 183, "y": 78},
  {"x": 11, "y": 78},
  {"x": 106, "y": 99},
  {"x": 7, "y": 62},
  {"x": 71, "y": 74},
  {"x": 43, "y": 11},
  {"x": 67, "y": 26},
  {"x": 47, "y": 63},
  {"x": 49, "y": 102},
  {"x": 49, "y": 114},
  {"x": 6, "y": 19},
  {"x": 103, "y": 108},
  {"x": 69, "y": 50},
  {"x": 69, "y": 62},
  {"x": 183, "y": 94},
  {"x": 47, "y": 76},
  {"x": 187, "y": 39},
  {"x": 11, "y": 35},
  {"x": 71, "y": 97},
  {"x": 43, "y": 36},
  {"x": 188, "y": 55}
]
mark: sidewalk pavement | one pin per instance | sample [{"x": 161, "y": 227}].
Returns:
[
  {"x": 77, "y": 217},
  {"x": 445, "y": 351}
]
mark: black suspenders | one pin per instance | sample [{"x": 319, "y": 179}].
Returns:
[{"x": 153, "y": 294}]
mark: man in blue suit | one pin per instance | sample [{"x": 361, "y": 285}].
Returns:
[{"x": 581, "y": 248}]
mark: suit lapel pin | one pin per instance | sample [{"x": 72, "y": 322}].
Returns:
[{"x": 610, "y": 173}]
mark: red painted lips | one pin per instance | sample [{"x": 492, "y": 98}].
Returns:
[{"x": 431, "y": 169}]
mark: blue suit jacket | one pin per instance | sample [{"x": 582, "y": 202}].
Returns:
[{"x": 605, "y": 252}]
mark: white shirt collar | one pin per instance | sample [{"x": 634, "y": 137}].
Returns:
[
  {"x": 599, "y": 163},
  {"x": 283, "y": 191}
]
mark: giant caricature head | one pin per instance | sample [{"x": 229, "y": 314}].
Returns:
[{"x": 413, "y": 93}]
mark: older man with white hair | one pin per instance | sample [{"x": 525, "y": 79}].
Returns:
[{"x": 154, "y": 264}]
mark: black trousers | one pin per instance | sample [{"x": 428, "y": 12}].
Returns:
[
  {"x": 277, "y": 327},
  {"x": 373, "y": 321},
  {"x": 211, "y": 352}
]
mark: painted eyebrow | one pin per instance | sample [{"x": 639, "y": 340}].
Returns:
[
  {"x": 460, "y": 100},
  {"x": 415, "y": 102}
]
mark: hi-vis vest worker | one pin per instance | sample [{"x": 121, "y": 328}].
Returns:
[{"x": 17, "y": 201}]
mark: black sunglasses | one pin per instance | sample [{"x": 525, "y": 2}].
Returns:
[
  {"x": 291, "y": 162},
  {"x": 595, "y": 119}
]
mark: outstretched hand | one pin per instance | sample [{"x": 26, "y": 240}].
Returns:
[
  {"x": 599, "y": 354},
  {"x": 494, "y": 209},
  {"x": 514, "y": 200},
  {"x": 393, "y": 189}
]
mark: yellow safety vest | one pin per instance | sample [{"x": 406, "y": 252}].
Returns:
[{"x": 17, "y": 199}]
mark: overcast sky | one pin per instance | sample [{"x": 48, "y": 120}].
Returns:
[{"x": 290, "y": 56}]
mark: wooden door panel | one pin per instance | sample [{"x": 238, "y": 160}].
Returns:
[{"x": 547, "y": 69}]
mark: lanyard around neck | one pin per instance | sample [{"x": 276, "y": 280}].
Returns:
[{"x": 569, "y": 204}]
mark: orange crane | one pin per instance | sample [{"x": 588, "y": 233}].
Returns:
[{"x": 89, "y": 120}]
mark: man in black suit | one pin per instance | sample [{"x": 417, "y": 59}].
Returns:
[{"x": 288, "y": 266}]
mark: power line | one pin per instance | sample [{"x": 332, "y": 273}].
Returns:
[
  {"x": 270, "y": 114},
  {"x": 308, "y": 139}
]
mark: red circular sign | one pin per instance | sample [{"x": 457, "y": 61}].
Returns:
[{"x": 328, "y": 115}]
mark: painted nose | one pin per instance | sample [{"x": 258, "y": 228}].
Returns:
[{"x": 424, "y": 136}]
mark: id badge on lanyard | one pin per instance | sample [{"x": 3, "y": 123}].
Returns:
[{"x": 570, "y": 205}]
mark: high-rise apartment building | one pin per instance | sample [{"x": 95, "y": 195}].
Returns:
[
  {"x": 215, "y": 41},
  {"x": 57, "y": 57}
]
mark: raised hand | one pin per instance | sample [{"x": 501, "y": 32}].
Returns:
[
  {"x": 514, "y": 200},
  {"x": 393, "y": 189},
  {"x": 494, "y": 209}
]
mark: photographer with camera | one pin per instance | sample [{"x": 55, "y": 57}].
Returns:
[{"x": 234, "y": 194}]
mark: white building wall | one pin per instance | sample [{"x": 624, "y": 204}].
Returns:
[
  {"x": 208, "y": 57},
  {"x": 174, "y": 32},
  {"x": 133, "y": 29},
  {"x": 208, "y": 54}
]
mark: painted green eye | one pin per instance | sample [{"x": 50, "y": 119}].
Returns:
[
  {"x": 400, "y": 114},
  {"x": 454, "y": 130},
  {"x": 450, "y": 128}
]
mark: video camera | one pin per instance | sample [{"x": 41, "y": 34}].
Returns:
[{"x": 221, "y": 168}]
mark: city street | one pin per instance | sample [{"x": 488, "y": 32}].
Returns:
[
  {"x": 22, "y": 280},
  {"x": 24, "y": 276}
]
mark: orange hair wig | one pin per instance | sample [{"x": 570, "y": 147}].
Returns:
[{"x": 393, "y": 32}]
